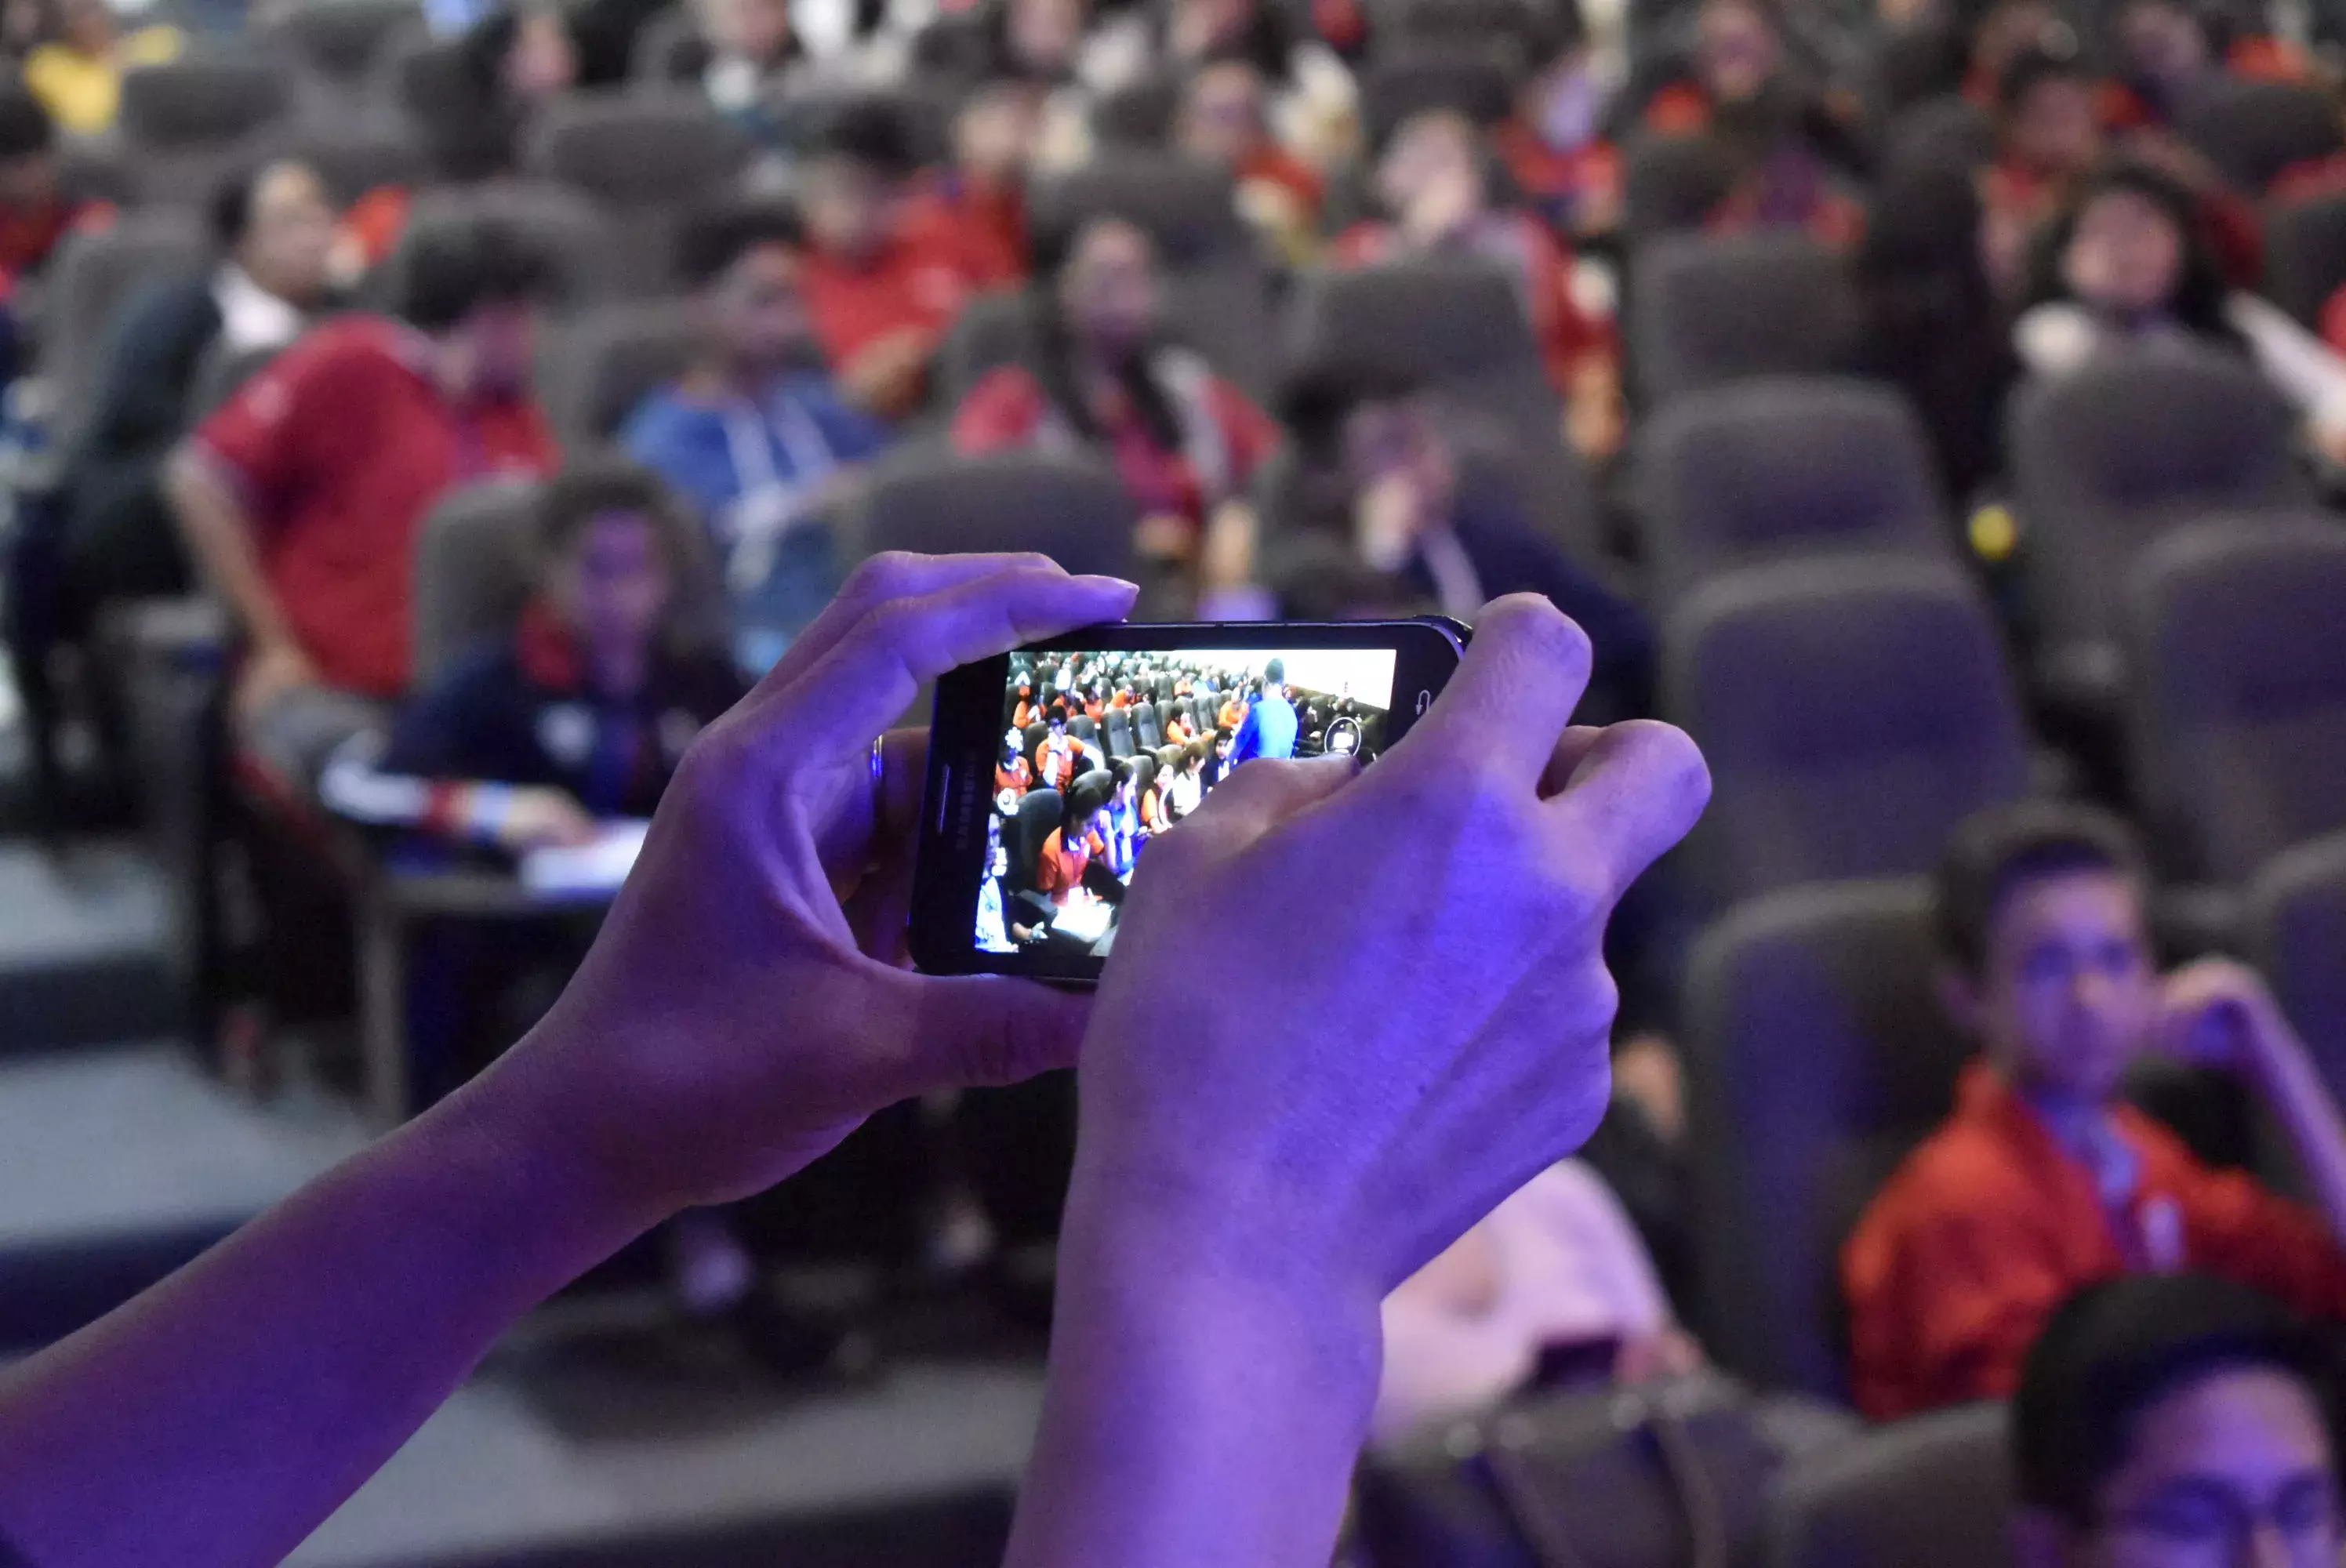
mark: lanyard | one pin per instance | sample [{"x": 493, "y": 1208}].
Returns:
[{"x": 766, "y": 504}]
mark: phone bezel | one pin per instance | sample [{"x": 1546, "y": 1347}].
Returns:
[{"x": 965, "y": 729}]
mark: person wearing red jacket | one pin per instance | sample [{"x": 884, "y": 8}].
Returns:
[{"x": 2044, "y": 1181}]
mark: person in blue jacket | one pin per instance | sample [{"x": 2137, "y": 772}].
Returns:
[{"x": 1269, "y": 728}]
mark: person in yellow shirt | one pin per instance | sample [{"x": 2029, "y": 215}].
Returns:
[{"x": 77, "y": 76}]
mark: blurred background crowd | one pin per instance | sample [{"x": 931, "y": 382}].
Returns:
[{"x": 421, "y": 418}]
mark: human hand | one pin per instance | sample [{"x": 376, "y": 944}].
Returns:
[
  {"x": 1666, "y": 1352},
  {"x": 535, "y": 818},
  {"x": 2217, "y": 1012},
  {"x": 1447, "y": 907},
  {"x": 887, "y": 376},
  {"x": 744, "y": 1006},
  {"x": 270, "y": 671}
]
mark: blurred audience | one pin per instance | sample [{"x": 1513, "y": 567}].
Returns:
[
  {"x": 756, "y": 437},
  {"x": 77, "y": 74},
  {"x": 1225, "y": 119},
  {"x": 1554, "y": 146},
  {"x": 2044, "y": 1180},
  {"x": 302, "y": 499},
  {"x": 1432, "y": 184},
  {"x": 36, "y": 212},
  {"x": 515, "y": 59},
  {"x": 1552, "y": 1290},
  {"x": 2124, "y": 262},
  {"x": 2048, "y": 138},
  {"x": 272, "y": 227},
  {"x": 1185, "y": 442},
  {"x": 978, "y": 204},
  {"x": 881, "y": 288},
  {"x": 2176, "y": 1420}
]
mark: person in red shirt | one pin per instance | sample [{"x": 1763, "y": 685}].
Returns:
[
  {"x": 1185, "y": 442},
  {"x": 1553, "y": 145},
  {"x": 2044, "y": 1180},
  {"x": 882, "y": 285},
  {"x": 35, "y": 213},
  {"x": 978, "y": 207},
  {"x": 1224, "y": 120},
  {"x": 1055, "y": 759},
  {"x": 1431, "y": 182},
  {"x": 2048, "y": 135},
  {"x": 302, "y": 498},
  {"x": 1074, "y": 857}
]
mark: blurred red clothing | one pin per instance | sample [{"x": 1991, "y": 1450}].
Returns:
[
  {"x": 28, "y": 235},
  {"x": 338, "y": 450},
  {"x": 1566, "y": 186},
  {"x": 1008, "y": 411},
  {"x": 1272, "y": 164},
  {"x": 1990, "y": 1226},
  {"x": 920, "y": 280},
  {"x": 987, "y": 227}
]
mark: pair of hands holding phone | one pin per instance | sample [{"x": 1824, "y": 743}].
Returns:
[{"x": 747, "y": 1004}]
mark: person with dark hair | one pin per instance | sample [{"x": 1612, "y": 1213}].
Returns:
[
  {"x": 1225, "y": 119},
  {"x": 2179, "y": 1420},
  {"x": 481, "y": 756},
  {"x": 1414, "y": 519},
  {"x": 36, "y": 214},
  {"x": 2047, "y": 137},
  {"x": 1271, "y": 725},
  {"x": 882, "y": 289},
  {"x": 1555, "y": 144},
  {"x": 301, "y": 499},
  {"x": 977, "y": 205},
  {"x": 1933, "y": 326},
  {"x": 2045, "y": 1180},
  {"x": 756, "y": 437},
  {"x": 273, "y": 228},
  {"x": 1433, "y": 187},
  {"x": 1185, "y": 441},
  {"x": 517, "y": 57},
  {"x": 2126, "y": 261}
]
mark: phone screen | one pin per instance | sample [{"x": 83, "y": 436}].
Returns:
[
  {"x": 1053, "y": 769},
  {"x": 1104, "y": 750}
]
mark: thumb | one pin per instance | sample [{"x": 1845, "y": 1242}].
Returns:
[
  {"x": 984, "y": 1031},
  {"x": 1260, "y": 795}
]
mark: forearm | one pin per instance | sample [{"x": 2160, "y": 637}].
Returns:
[
  {"x": 2292, "y": 1089},
  {"x": 1207, "y": 1403},
  {"x": 220, "y": 535},
  {"x": 219, "y": 1418}
]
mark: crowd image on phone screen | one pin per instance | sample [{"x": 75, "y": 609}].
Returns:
[{"x": 1102, "y": 751}]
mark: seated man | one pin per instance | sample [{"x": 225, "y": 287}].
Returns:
[
  {"x": 302, "y": 499},
  {"x": 1226, "y": 119},
  {"x": 273, "y": 226},
  {"x": 752, "y": 436},
  {"x": 2044, "y": 1181},
  {"x": 882, "y": 287},
  {"x": 2174, "y": 1419}
]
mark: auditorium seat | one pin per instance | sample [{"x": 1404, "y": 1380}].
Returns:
[
  {"x": 1082, "y": 727},
  {"x": 1476, "y": 79},
  {"x": 1705, "y": 309},
  {"x": 1670, "y": 184},
  {"x": 926, "y": 499},
  {"x": 1853, "y": 711},
  {"x": 1039, "y": 811},
  {"x": 2253, "y": 130},
  {"x": 2296, "y": 930},
  {"x": 593, "y": 369},
  {"x": 991, "y": 331},
  {"x": 2103, "y": 462},
  {"x": 1817, "y": 1057},
  {"x": 2305, "y": 254},
  {"x": 2238, "y": 714},
  {"x": 334, "y": 44},
  {"x": 93, "y": 276},
  {"x": 1933, "y": 1491},
  {"x": 1945, "y": 132},
  {"x": 1119, "y": 733},
  {"x": 1146, "y": 733},
  {"x": 574, "y": 235},
  {"x": 646, "y": 158},
  {"x": 185, "y": 122},
  {"x": 1784, "y": 469}
]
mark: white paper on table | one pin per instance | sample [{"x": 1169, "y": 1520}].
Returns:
[
  {"x": 585, "y": 870},
  {"x": 1085, "y": 922}
]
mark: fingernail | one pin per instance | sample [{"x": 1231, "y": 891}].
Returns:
[{"x": 1098, "y": 581}]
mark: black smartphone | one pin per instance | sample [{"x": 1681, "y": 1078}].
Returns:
[{"x": 1051, "y": 768}]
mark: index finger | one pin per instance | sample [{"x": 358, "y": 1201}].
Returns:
[
  {"x": 1513, "y": 695},
  {"x": 891, "y": 574}
]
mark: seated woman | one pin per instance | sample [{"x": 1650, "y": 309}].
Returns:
[
  {"x": 2124, "y": 262},
  {"x": 1552, "y": 1289},
  {"x": 580, "y": 713},
  {"x": 1185, "y": 442},
  {"x": 1432, "y": 184},
  {"x": 1073, "y": 865}
]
